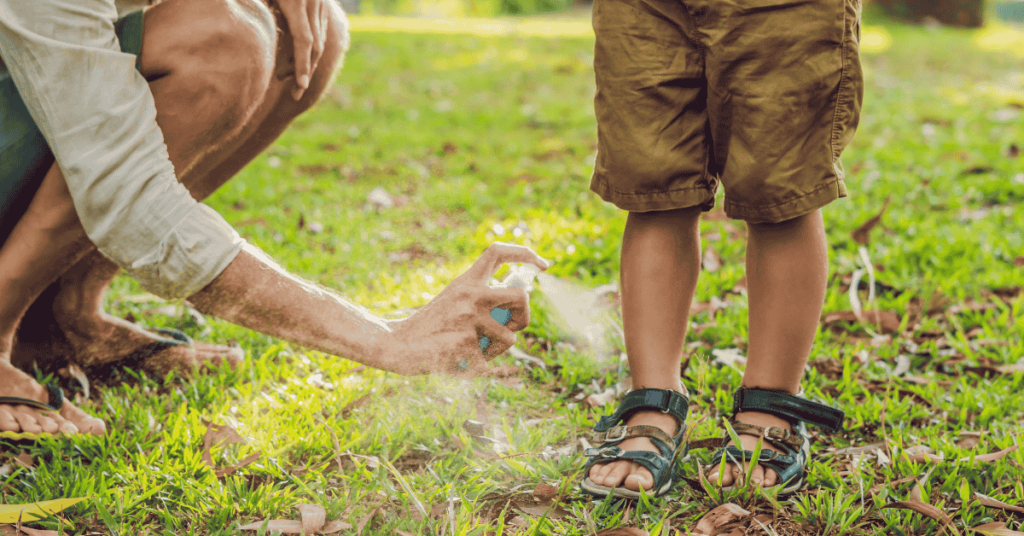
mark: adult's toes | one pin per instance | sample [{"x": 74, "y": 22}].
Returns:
[
  {"x": 27, "y": 421},
  {"x": 7, "y": 421},
  {"x": 48, "y": 424},
  {"x": 82, "y": 421}
]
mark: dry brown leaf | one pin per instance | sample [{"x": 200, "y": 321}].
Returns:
[
  {"x": 720, "y": 519},
  {"x": 362, "y": 522},
  {"x": 313, "y": 517},
  {"x": 968, "y": 440},
  {"x": 556, "y": 512},
  {"x": 623, "y": 531},
  {"x": 225, "y": 471},
  {"x": 216, "y": 434},
  {"x": 24, "y": 459},
  {"x": 922, "y": 508},
  {"x": 992, "y": 456},
  {"x": 335, "y": 526},
  {"x": 862, "y": 234},
  {"x": 545, "y": 492},
  {"x": 28, "y": 531},
  {"x": 922, "y": 453},
  {"x": 887, "y": 322},
  {"x": 996, "y": 529},
  {"x": 403, "y": 533},
  {"x": 985, "y": 500}
]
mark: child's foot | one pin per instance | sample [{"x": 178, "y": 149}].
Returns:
[
  {"x": 761, "y": 476},
  {"x": 628, "y": 474}
]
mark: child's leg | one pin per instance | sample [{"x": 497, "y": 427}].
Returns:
[
  {"x": 660, "y": 265},
  {"x": 787, "y": 271}
]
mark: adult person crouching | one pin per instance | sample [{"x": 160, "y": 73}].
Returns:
[{"x": 116, "y": 120}]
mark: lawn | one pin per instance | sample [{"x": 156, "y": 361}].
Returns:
[{"x": 484, "y": 131}]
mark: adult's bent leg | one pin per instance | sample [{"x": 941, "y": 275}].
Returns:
[
  {"x": 47, "y": 238},
  {"x": 196, "y": 82}
]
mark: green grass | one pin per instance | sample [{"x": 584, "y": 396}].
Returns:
[{"x": 468, "y": 132}]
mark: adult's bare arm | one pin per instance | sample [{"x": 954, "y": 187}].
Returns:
[{"x": 256, "y": 293}]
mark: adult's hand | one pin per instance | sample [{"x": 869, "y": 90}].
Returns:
[
  {"x": 447, "y": 330},
  {"x": 307, "y": 22}
]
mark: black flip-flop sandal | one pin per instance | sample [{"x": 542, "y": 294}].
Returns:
[
  {"x": 176, "y": 338},
  {"x": 794, "y": 445},
  {"x": 609, "y": 432},
  {"x": 54, "y": 403}
]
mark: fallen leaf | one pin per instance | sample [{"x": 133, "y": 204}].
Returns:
[
  {"x": 12, "y": 513},
  {"x": 1013, "y": 151},
  {"x": 862, "y": 234},
  {"x": 225, "y": 471},
  {"x": 545, "y": 492},
  {"x": 992, "y": 456},
  {"x": 313, "y": 517},
  {"x": 922, "y": 508},
  {"x": 922, "y": 453},
  {"x": 720, "y": 519},
  {"x": 379, "y": 197},
  {"x": 77, "y": 373},
  {"x": 623, "y": 531},
  {"x": 403, "y": 533},
  {"x": 985, "y": 500},
  {"x": 28, "y": 531},
  {"x": 24, "y": 459},
  {"x": 888, "y": 322},
  {"x": 362, "y": 522},
  {"x": 968, "y": 440},
  {"x": 555, "y": 512},
  {"x": 729, "y": 357},
  {"x": 996, "y": 529},
  {"x": 977, "y": 170}
]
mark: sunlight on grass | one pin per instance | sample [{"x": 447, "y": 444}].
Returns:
[
  {"x": 874, "y": 39},
  {"x": 1000, "y": 39}
]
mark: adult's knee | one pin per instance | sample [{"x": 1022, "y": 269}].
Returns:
[{"x": 221, "y": 52}]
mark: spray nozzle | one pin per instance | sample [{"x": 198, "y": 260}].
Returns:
[{"x": 521, "y": 276}]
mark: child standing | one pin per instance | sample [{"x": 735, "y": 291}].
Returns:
[{"x": 762, "y": 96}]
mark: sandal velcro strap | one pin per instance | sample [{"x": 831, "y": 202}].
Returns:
[
  {"x": 789, "y": 407},
  {"x": 622, "y": 432},
  {"x": 664, "y": 400}
]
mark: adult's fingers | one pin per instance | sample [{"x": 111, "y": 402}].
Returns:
[
  {"x": 500, "y": 253},
  {"x": 515, "y": 300},
  {"x": 501, "y": 338},
  {"x": 318, "y": 29},
  {"x": 296, "y": 13}
]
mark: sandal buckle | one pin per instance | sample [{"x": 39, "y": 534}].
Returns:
[
  {"x": 776, "y": 434},
  {"x": 615, "y": 433}
]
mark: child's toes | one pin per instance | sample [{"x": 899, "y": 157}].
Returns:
[
  {"x": 771, "y": 478},
  {"x": 639, "y": 478},
  {"x": 757, "y": 475}
]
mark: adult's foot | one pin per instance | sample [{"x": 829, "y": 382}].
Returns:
[
  {"x": 101, "y": 339},
  {"x": 629, "y": 474},
  {"x": 761, "y": 476},
  {"x": 69, "y": 420}
]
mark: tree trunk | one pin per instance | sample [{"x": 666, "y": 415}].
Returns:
[{"x": 964, "y": 13}]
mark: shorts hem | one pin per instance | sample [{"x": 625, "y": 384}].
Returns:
[
  {"x": 788, "y": 210},
  {"x": 697, "y": 196}
]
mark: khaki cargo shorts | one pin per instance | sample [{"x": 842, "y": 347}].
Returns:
[{"x": 762, "y": 95}]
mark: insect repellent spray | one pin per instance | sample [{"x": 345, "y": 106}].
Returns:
[{"x": 519, "y": 277}]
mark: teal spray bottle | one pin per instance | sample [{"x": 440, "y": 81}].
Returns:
[{"x": 519, "y": 277}]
